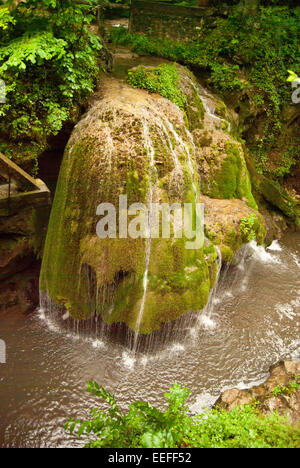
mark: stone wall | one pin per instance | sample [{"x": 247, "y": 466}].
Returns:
[{"x": 168, "y": 22}]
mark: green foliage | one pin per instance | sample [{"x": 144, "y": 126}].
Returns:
[
  {"x": 162, "y": 80},
  {"x": 249, "y": 227},
  {"x": 289, "y": 159},
  {"x": 225, "y": 77},
  {"x": 144, "y": 426},
  {"x": 5, "y": 18},
  {"x": 245, "y": 57},
  {"x": 48, "y": 60},
  {"x": 292, "y": 76}
]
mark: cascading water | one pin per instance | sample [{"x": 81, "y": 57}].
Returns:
[
  {"x": 158, "y": 122},
  {"x": 206, "y": 99},
  {"x": 151, "y": 152},
  {"x": 182, "y": 150},
  {"x": 205, "y": 319}
]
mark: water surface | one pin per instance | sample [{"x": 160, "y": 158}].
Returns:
[{"x": 254, "y": 322}]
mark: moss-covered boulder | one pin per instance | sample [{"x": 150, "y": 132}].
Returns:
[
  {"x": 231, "y": 223},
  {"x": 135, "y": 143}
]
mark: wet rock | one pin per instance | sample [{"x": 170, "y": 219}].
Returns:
[
  {"x": 223, "y": 225},
  {"x": 20, "y": 293},
  {"x": 280, "y": 392}
]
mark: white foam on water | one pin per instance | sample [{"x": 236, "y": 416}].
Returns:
[
  {"x": 55, "y": 327},
  {"x": 228, "y": 294},
  {"x": 216, "y": 301},
  {"x": 144, "y": 360},
  {"x": 177, "y": 347},
  {"x": 66, "y": 316},
  {"x": 50, "y": 324},
  {"x": 296, "y": 259},
  {"x": 41, "y": 314},
  {"x": 245, "y": 386},
  {"x": 295, "y": 350},
  {"x": 204, "y": 401},
  {"x": 275, "y": 246},
  {"x": 97, "y": 344},
  {"x": 245, "y": 282},
  {"x": 219, "y": 299},
  {"x": 289, "y": 310},
  {"x": 193, "y": 332},
  {"x": 207, "y": 322},
  {"x": 128, "y": 360},
  {"x": 260, "y": 254}
]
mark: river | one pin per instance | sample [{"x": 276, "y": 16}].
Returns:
[{"x": 254, "y": 322}]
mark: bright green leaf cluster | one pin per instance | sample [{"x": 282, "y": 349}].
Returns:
[
  {"x": 49, "y": 62},
  {"x": 162, "y": 80},
  {"x": 248, "y": 227}
]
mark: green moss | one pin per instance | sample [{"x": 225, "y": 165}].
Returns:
[
  {"x": 78, "y": 267},
  {"x": 37, "y": 227},
  {"x": 194, "y": 110},
  {"x": 231, "y": 178},
  {"x": 249, "y": 228},
  {"x": 277, "y": 196},
  {"x": 227, "y": 254},
  {"x": 231, "y": 237},
  {"x": 162, "y": 80},
  {"x": 170, "y": 82}
]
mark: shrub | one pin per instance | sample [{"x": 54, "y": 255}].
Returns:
[{"x": 145, "y": 426}]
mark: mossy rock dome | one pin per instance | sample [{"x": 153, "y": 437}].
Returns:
[
  {"x": 128, "y": 142},
  {"x": 139, "y": 144}
]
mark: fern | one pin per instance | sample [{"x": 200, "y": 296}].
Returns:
[{"x": 48, "y": 60}]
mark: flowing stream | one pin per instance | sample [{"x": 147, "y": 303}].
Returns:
[{"x": 251, "y": 322}]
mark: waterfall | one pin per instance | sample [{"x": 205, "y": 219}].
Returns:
[
  {"x": 167, "y": 128},
  {"x": 206, "y": 97},
  {"x": 150, "y": 151},
  {"x": 160, "y": 132},
  {"x": 205, "y": 318}
]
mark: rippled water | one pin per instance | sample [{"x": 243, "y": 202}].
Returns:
[{"x": 254, "y": 322}]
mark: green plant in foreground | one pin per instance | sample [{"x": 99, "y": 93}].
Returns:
[{"x": 145, "y": 426}]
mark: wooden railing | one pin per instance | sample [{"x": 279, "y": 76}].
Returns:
[{"x": 20, "y": 188}]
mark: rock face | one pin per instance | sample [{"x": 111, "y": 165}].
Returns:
[
  {"x": 20, "y": 292},
  {"x": 22, "y": 233},
  {"x": 141, "y": 145},
  {"x": 280, "y": 392}
]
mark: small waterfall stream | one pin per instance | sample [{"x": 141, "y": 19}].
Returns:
[
  {"x": 206, "y": 99},
  {"x": 152, "y": 170}
]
